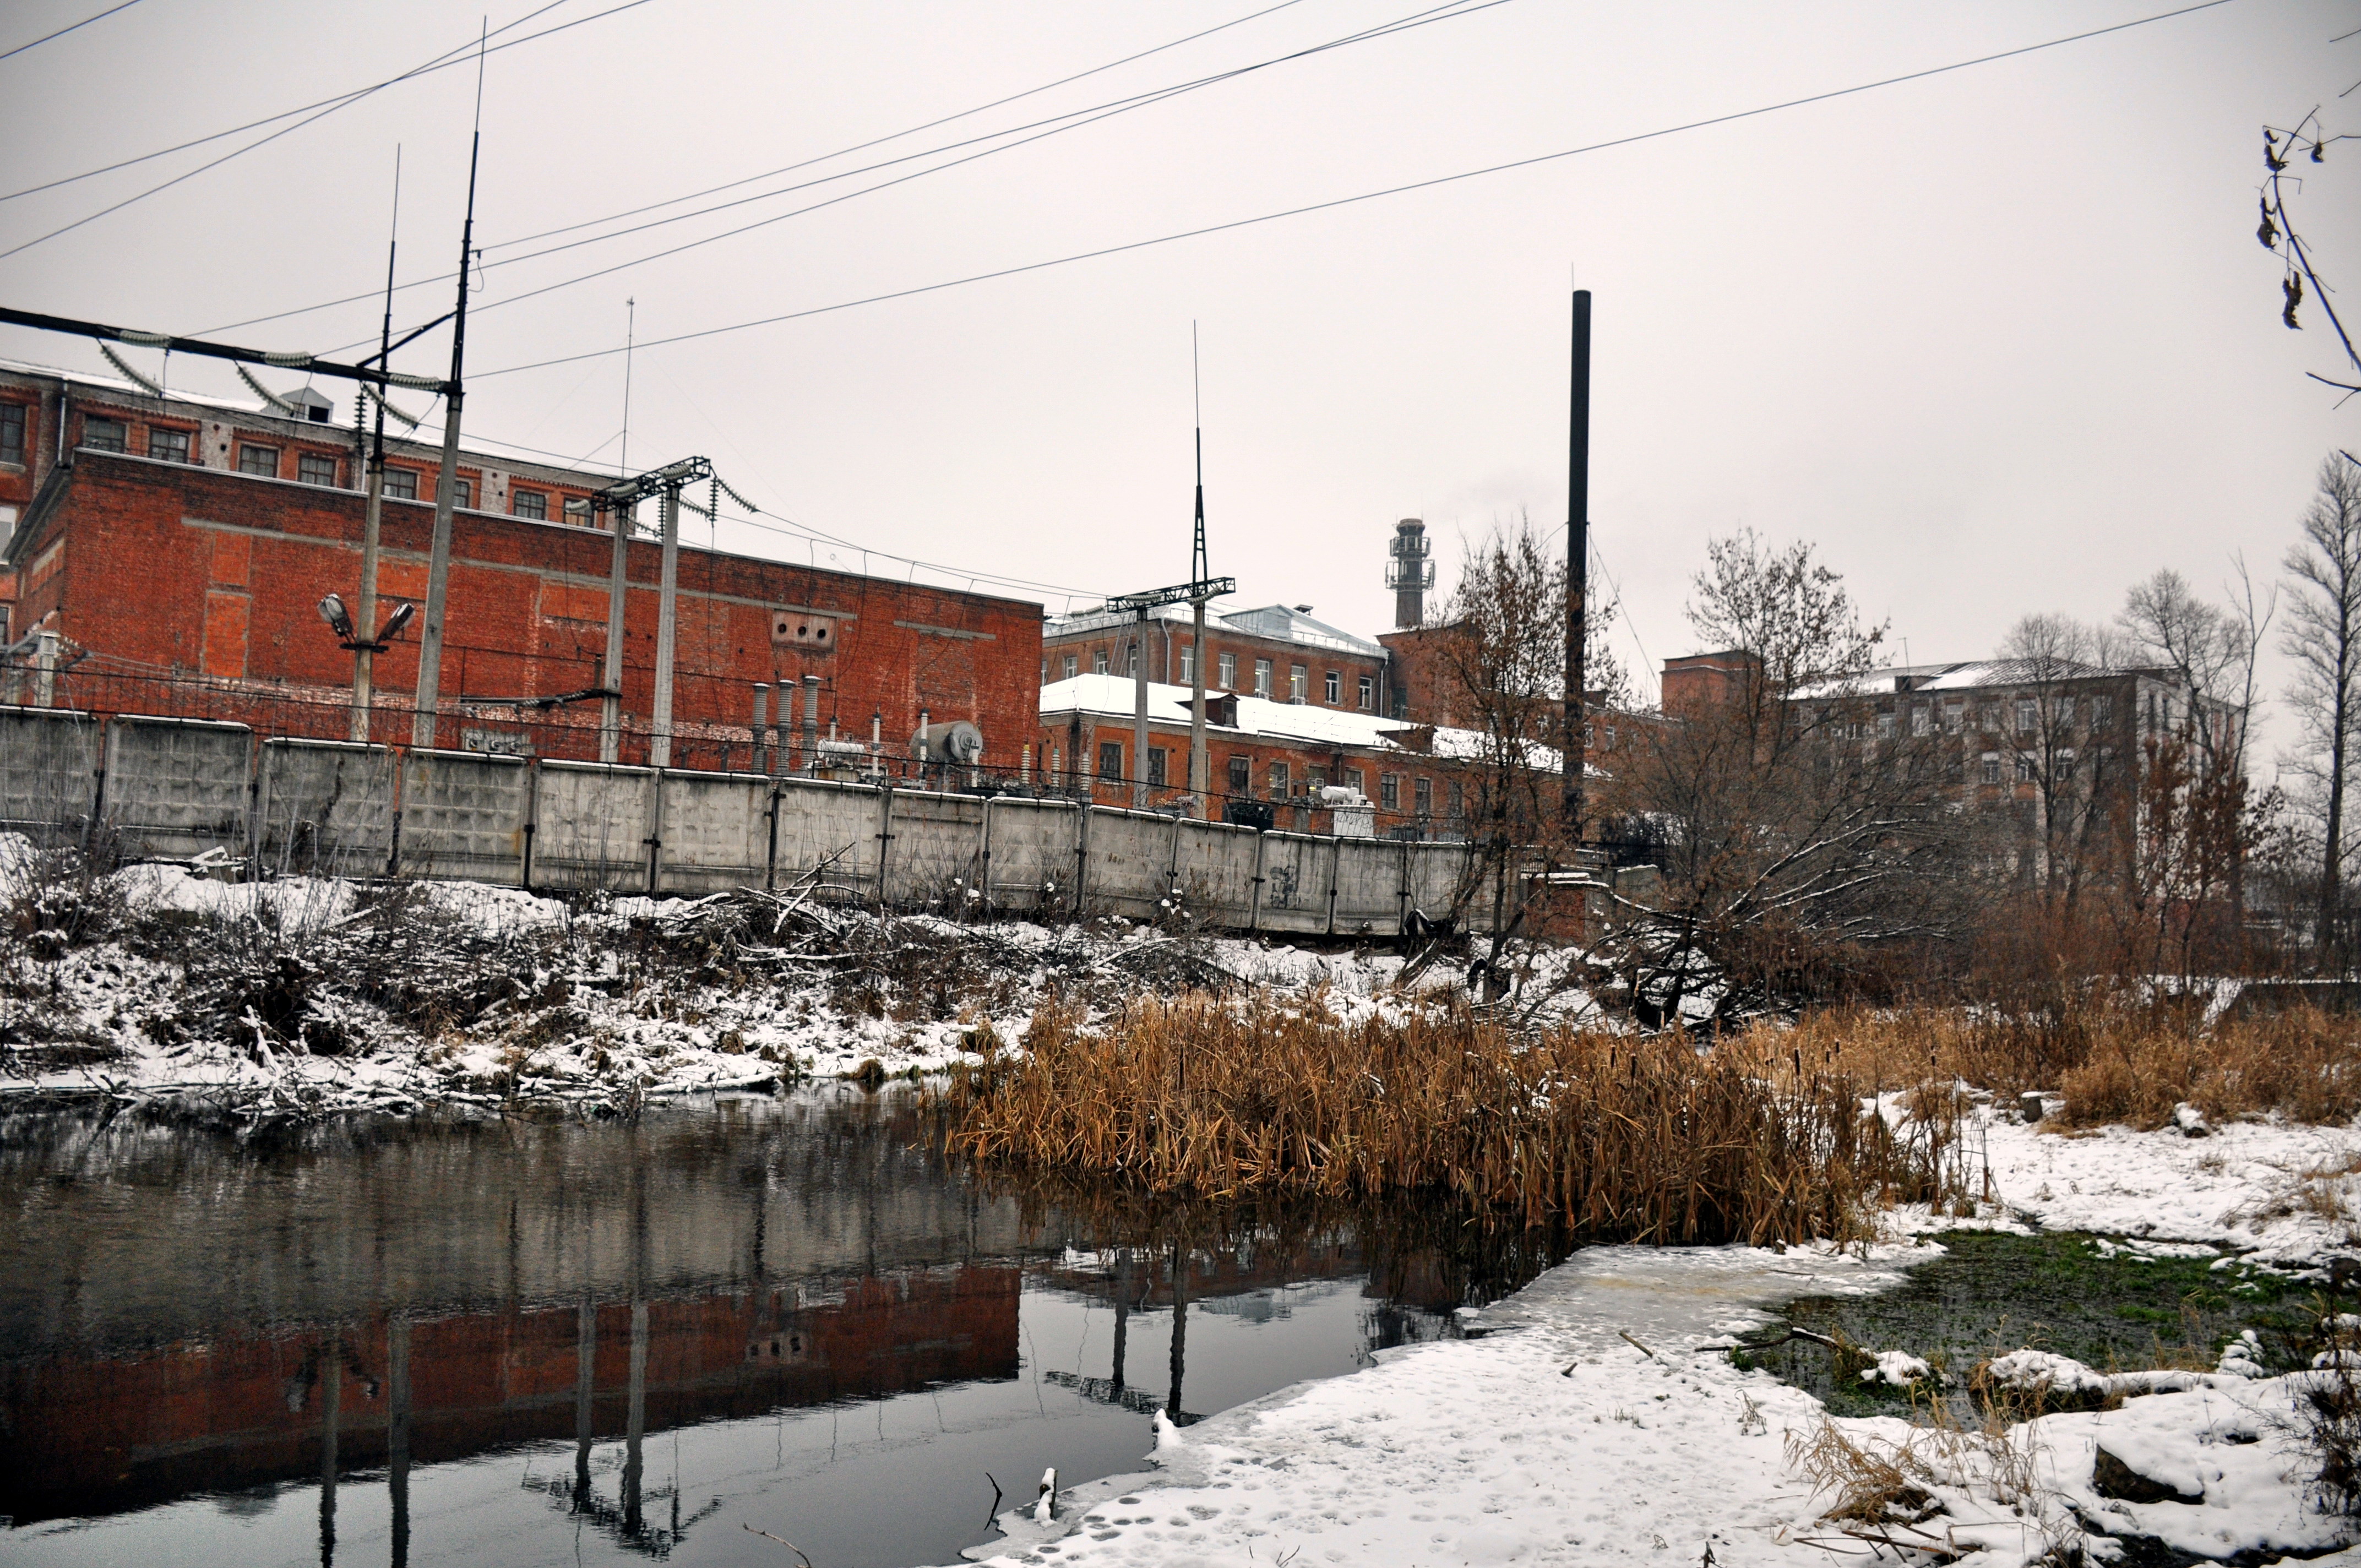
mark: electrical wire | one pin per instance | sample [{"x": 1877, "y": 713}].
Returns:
[
  {"x": 1057, "y": 124},
  {"x": 788, "y": 527},
  {"x": 1374, "y": 195},
  {"x": 438, "y": 62},
  {"x": 1123, "y": 107},
  {"x": 62, "y": 32}
]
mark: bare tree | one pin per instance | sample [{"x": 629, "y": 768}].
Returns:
[
  {"x": 2053, "y": 733},
  {"x": 1806, "y": 824},
  {"x": 2324, "y": 637},
  {"x": 1499, "y": 651}
]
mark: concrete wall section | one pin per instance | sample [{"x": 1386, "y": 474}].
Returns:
[
  {"x": 324, "y": 808},
  {"x": 1032, "y": 852},
  {"x": 1130, "y": 863},
  {"x": 1368, "y": 886},
  {"x": 178, "y": 786},
  {"x": 935, "y": 858},
  {"x": 715, "y": 831},
  {"x": 463, "y": 817},
  {"x": 591, "y": 826},
  {"x": 827, "y": 835},
  {"x": 48, "y": 774},
  {"x": 1296, "y": 873},
  {"x": 1217, "y": 871}
]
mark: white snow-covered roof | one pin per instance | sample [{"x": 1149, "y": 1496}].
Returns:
[
  {"x": 1113, "y": 696},
  {"x": 1969, "y": 675}
]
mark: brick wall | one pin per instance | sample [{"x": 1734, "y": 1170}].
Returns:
[{"x": 196, "y": 570}]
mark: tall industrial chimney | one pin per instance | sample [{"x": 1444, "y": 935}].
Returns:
[{"x": 1409, "y": 573}]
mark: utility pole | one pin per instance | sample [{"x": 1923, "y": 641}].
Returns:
[
  {"x": 1139, "y": 711},
  {"x": 611, "y": 674},
  {"x": 668, "y": 620},
  {"x": 1577, "y": 559},
  {"x": 373, "y": 510},
  {"x": 1200, "y": 784},
  {"x": 438, "y": 560}
]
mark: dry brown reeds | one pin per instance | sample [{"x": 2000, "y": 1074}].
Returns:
[
  {"x": 1611, "y": 1135},
  {"x": 2305, "y": 1065},
  {"x": 2112, "y": 1059}
]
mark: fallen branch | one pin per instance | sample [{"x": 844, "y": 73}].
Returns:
[{"x": 783, "y": 1541}]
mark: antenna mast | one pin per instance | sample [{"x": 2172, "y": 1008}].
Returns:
[
  {"x": 1197, "y": 782},
  {"x": 438, "y": 561}
]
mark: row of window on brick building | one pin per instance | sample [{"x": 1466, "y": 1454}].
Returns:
[
  {"x": 1396, "y": 791},
  {"x": 1226, "y": 677},
  {"x": 2023, "y": 716},
  {"x": 173, "y": 443}
]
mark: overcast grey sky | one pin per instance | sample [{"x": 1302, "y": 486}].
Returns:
[{"x": 1999, "y": 340}]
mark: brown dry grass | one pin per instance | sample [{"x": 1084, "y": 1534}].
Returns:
[
  {"x": 2112, "y": 1061},
  {"x": 1646, "y": 1139}
]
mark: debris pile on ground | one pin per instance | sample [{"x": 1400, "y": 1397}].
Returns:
[{"x": 308, "y": 995}]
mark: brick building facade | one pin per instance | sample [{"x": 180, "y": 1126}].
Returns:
[
  {"x": 1417, "y": 778},
  {"x": 189, "y": 588},
  {"x": 1278, "y": 651}
]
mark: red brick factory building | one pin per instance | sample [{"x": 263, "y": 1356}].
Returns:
[{"x": 174, "y": 549}]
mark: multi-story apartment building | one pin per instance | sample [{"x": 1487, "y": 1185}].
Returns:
[{"x": 2060, "y": 747}]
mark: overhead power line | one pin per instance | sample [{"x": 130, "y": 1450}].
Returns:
[
  {"x": 62, "y": 32},
  {"x": 1632, "y": 139},
  {"x": 1121, "y": 107},
  {"x": 1056, "y": 122},
  {"x": 438, "y": 62}
]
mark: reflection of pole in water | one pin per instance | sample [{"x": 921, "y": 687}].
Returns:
[
  {"x": 637, "y": 1420},
  {"x": 332, "y": 1389},
  {"x": 1179, "y": 1325},
  {"x": 586, "y": 1362},
  {"x": 397, "y": 1434},
  {"x": 1122, "y": 1309}
]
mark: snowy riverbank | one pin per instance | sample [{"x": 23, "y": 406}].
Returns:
[
  {"x": 1592, "y": 1423},
  {"x": 315, "y": 995}
]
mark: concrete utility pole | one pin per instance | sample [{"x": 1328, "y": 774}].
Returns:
[
  {"x": 447, "y": 490},
  {"x": 1199, "y": 769},
  {"x": 1198, "y": 783},
  {"x": 667, "y": 621},
  {"x": 610, "y": 672},
  {"x": 1139, "y": 712},
  {"x": 1577, "y": 558}
]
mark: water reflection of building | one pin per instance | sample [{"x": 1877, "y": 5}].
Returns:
[{"x": 99, "y": 1435}]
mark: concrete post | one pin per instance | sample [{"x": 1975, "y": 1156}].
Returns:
[
  {"x": 365, "y": 617},
  {"x": 610, "y": 676},
  {"x": 1139, "y": 715},
  {"x": 754, "y": 730},
  {"x": 667, "y": 624}
]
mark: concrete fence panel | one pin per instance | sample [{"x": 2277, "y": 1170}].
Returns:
[
  {"x": 591, "y": 825},
  {"x": 1131, "y": 861},
  {"x": 1297, "y": 868},
  {"x": 1436, "y": 874},
  {"x": 715, "y": 833},
  {"x": 178, "y": 786},
  {"x": 48, "y": 774},
  {"x": 324, "y": 808},
  {"x": 1032, "y": 847},
  {"x": 1217, "y": 871},
  {"x": 464, "y": 816},
  {"x": 936, "y": 857},
  {"x": 835, "y": 825},
  {"x": 1368, "y": 886}
]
